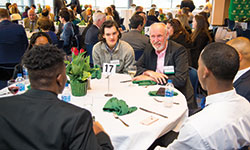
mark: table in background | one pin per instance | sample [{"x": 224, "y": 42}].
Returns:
[{"x": 136, "y": 136}]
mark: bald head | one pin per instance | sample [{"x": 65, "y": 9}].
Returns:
[
  {"x": 242, "y": 45},
  {"x": 32, "y": 14}
]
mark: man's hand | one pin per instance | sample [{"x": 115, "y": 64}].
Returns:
[
  {"x": 158, "y": 77},
  {"x": 97, "y": 127},
  {"x": 142, "y": 77}
]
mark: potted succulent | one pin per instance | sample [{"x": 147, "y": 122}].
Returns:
[{"x": 79, "y": 71}]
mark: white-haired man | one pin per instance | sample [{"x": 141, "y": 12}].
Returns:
[
  {"x": 162, "y": 60},
  {"x": 91, "y": 37}
]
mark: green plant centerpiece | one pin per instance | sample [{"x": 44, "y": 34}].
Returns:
[{"x": 79, "y": 71}]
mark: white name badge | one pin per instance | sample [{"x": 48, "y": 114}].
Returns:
[
  {"x": 168, "y": 69},
  {"x": 115, "y": 62},
  {"x": 108, "y": 69}
]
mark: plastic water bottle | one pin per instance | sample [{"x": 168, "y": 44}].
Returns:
[
  {"x": 169, "y": 94},
  {"x": 20, "y": 82},
  {"x": 25, "y": 73},
  {"x": 66, "y": 93}
]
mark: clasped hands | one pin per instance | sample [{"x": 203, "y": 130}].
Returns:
[{"x": 160, "y": 78}]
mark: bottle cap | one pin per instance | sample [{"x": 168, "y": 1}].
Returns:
[
  {"x": 169, "y": 81},
  {"x": 19, "y": 75},
  {"x": 66, "y": 84}
]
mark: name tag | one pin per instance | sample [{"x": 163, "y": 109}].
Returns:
[
  {"x": 115, "y": 62},
  {"x": 168, "y": 70}
]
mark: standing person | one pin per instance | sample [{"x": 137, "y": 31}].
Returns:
[
  {"x": 242, "y": 78},
  {"x": 165, "y": 59},
  {"x": 116, "y": 15},
  {"x": 187, "y": 3},
  {"x": 58, "y": 4},
  {"x": 44, "y": 121},
  {"x": 112, "y": 50},
  {"x": 77, "y": 3},
  {"x": 13, "y": 43},
  {"x": 68, "y": 30},
  {"x": 200, "y": 38},
  {"x": 224, "y": 123}
]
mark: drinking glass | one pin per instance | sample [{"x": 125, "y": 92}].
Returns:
[
  {"x": 12, "y": 86},
  {"x": 132, "y": 72}
]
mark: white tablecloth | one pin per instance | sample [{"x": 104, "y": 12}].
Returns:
[{"x": 136, "y": 136}]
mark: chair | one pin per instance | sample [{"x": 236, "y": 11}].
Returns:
[
  {"x": 194, "y": 80},
  {"x": 138, "y": 54}
]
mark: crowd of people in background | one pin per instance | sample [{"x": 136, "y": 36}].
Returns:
[{"x": 173, "y": 45}]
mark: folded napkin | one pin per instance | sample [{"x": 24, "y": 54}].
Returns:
[
  {"x": 144, "y": 82},
  {"x": 97, "y": 72},
  {"x": 118, "y": 106},
  {"x": 160, "y": 92}
]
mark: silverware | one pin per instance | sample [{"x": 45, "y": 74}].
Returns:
[
  {"x": 153, "y": 112},
  {"x": 162, "y": 101},
  {"x": 116, "y": 117},
  {"x": 125, "y": 81}
]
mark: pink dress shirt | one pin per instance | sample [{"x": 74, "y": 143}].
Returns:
[{"x": 160, "y": 61}]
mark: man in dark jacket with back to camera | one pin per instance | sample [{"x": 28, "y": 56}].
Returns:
[{"x": 37, "y": 119}]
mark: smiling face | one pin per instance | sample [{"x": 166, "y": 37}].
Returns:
[
  {"x": 158, "y": 36},
  {"x": 111, "y": 36}
]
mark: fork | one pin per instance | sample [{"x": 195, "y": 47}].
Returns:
[{"x": 116, "y": 117}]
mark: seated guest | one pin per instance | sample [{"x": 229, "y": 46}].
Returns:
[
  {"x": 68, "y": 31},
  {"x": 162, "y": 60},
  {"x": 51, "y": 16},
  {"x": 224, "y": 122},
  {"x": 242, "y": 78},
  {"x": 178, "y": 34},
  {"x": 116, "y": 15},
  {"x": 109, "y": 13},
  {"x": 200, "y": 38},
  {"x": 86, "y": 14},
  {"x": 44, "y": 121},
  {"x": 134, "y": 37},
  {"x": 38, "y": 38},
  {"x": 73, "y": 18},
  {"x": 45, "y": 14},
  {"x": 112, "y": 50},
  {"x": 25, "y": 13},
  {"x": 13, "y": 43},
  {"x": 15, "y": 16},
  {"x": 31, "y": 21},
  {"x": 45, "y": 25},
  {"x": 184, "y": 21},
  {"x": 91, "y": 36},
  {"x": 151, "y": 18}
]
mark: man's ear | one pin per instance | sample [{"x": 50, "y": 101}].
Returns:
[
  {"x": 240, "y": 57},
  {"x": 206, "y": 72},
  {"x": 59, "y": 80}
]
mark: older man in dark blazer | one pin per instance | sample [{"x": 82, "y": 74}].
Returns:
[
  {"x": 13, "y": 43},
  {"x": 242, "y": 78},
  {"x": 37, "y": 119},
  {"x": 162, "y": 60}
]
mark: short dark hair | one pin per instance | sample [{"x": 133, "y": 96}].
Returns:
[
  {"x": 221, "y": 59},
  {"x": 44, "y": 63},
  {"x": 108, "y": 24},
  {"x": 65, "y": 14},
  {"x": 37, "y": 35},
  {"x": 33, "y": 5},
  {"x": 135, "y": 21},
  {"x": 4, "y": 13}
]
